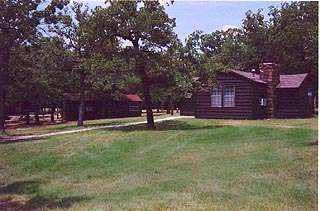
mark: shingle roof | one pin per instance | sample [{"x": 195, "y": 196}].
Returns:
[
  {"x": 286, "y": 81},
  {"x": 291, "y": 81},
  {"x": 134, "y": 98},
  {"x": 251, "y": 76},
  {"x": 92, "y": 97}
]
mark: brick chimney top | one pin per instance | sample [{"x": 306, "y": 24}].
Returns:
[{"x": 269, "y": 72}]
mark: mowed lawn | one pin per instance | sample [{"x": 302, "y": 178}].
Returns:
[{"x": 185, "y": 164}]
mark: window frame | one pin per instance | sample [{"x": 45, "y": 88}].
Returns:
[
  {"x": 222, "y": 96},
  {"x": 263, "y": 101},
  {"x": 220, "y": 90},
  {"x": 133, "y": 107},
  {"x": 89, "y": 108},
  {"x": 233, "y": 88}
]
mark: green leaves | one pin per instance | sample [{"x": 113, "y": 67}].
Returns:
[{"x": 294, "y": 35}]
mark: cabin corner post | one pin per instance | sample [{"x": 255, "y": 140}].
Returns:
[{"x": 270, "y": 74}]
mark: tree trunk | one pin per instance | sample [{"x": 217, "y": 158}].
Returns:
[
  {"x": 4, "y": 66},
  {"x": 28, "y": 118},
  {"x": 36, "y": 116},
  {"x": 2, "y": 110},
  {"x": 52, "y": 114},
  {"x": 81, "y": 105},
  {"x": 161, "y": 106},
  {"x": 58, "y": 113},
  {"x": 148, "y": 102},
  {"x": 65, "y": 109},
  {"x": 171, "y": 106},
  {"x": 104, "y": 113},
  {"x": 168, "y": 105},
  {"x": 62, "y": 113},
  {"x": 140, "y": 67}
]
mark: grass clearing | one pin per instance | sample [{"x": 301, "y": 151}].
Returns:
[{"x": 185, "y": 164}]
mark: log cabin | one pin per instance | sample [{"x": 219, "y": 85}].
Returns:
[
  {"x": 247, "y": 95},
  {"x": 99, "y": 107}
]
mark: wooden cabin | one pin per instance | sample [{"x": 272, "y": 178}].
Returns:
[
  {"x": 246, "y": 95},
  {"x": 187, "y": 105},
  {"x": 100, "y": 107},
  {"x": 20, "y": 108}
]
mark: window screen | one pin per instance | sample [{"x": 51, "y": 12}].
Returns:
[
  {"x": 228, "y": 97},
  {"x": 216, "y": 97}
]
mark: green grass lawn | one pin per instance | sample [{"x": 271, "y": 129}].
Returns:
[{"x": 186, "y": 164}]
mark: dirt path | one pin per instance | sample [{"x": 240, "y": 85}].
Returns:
[{"x": 25, "y": 137}]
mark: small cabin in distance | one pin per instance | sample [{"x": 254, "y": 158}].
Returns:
[
  {"x": 99, "y": 108},
  {"x": 187, "y": 105},
  {"x": 247, "y": 95}
]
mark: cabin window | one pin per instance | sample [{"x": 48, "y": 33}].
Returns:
[
  {"x": 216, "y": 97},
  {"x": 89, "y": 108},
  {"x": 228, "y": 97},
  {"x": 263, "y": 102},
  {"x": 309, "y": 93},
  {"x": 134, "y": 108}
]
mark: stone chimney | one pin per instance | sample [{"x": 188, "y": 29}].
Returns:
[{"x": 269, "y": 72}]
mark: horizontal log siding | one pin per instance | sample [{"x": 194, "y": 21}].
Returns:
[
  {"x": 187, "y": 106},
  {"x": 306, "y": 106},
  {"x": 287, "y": 103},
  {"x": 294, "y": 103},
  {"x": 243, "y": 100}
]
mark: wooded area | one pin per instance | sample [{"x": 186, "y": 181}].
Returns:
[{"x": 49, "y": 48}]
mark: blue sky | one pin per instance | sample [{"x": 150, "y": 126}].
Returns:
[{"x": 207, "y": 16}]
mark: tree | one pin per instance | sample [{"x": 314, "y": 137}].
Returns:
[
  {"x": 73, "y": 31},
  {"x": 19, "y": 22},
  {"x": 26, "y": 80},
  {"x": 203, "y": 52},
  {"x": 49, "y": 63},
  {"x": 255, "y": 32},
  {"x": 91, "y": 56},
  {"x": 294, "y": 36},
  {"x": 149, "y": 30},
  {"x": 184, "y": 77},
  {"x": 37, "y": 75}
]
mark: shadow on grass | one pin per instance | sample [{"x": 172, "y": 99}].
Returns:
[
  {"x": 71, "y": 127},
  {"x": 13, "y": 198},
  {"x": 160, "y": 126},
  {"x": 166, "y": 126},
  {"x": 21, "y": 187},
  {"x": 9, "y": 139},
  {"x": 13, "y": 141},
  {"x": 74, "y": 126}
]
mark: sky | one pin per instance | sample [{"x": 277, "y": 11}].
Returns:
[{"x": 207, "y": 16}]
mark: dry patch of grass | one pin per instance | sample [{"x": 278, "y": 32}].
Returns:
[
  {"x": 12, "y": 202},
  {"x": 311, "y": 123}
]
